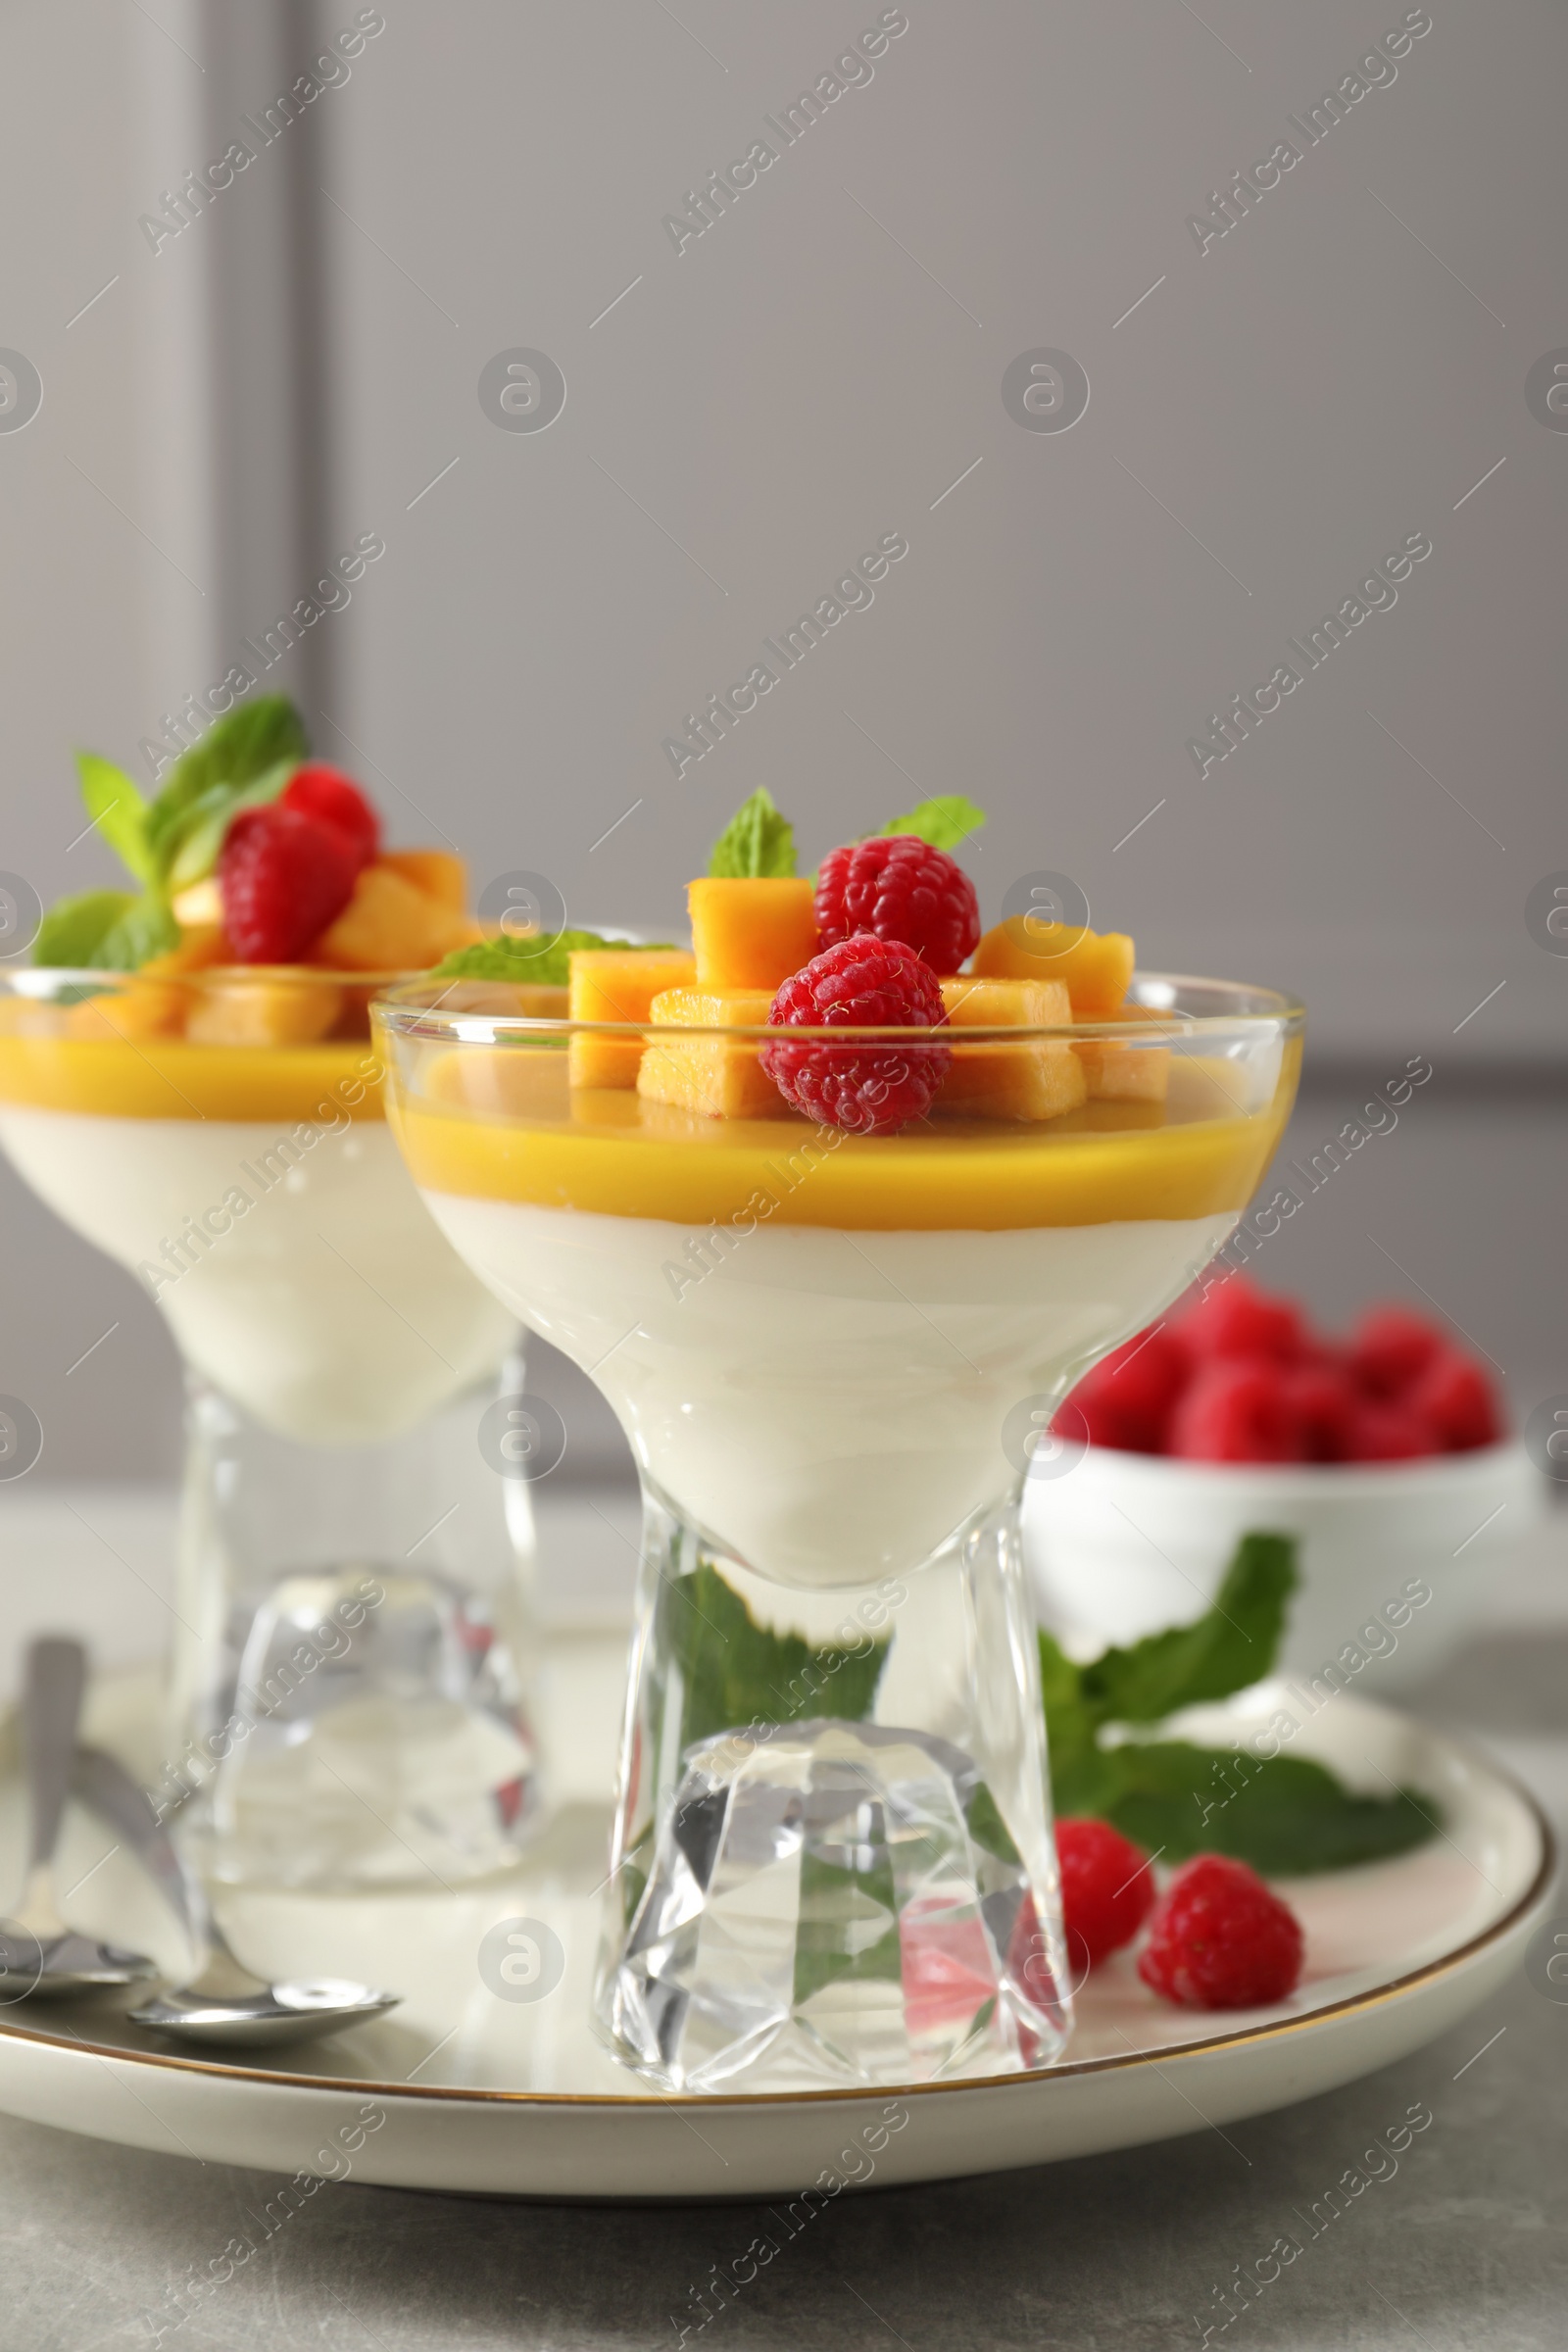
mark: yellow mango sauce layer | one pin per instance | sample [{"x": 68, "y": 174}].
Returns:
[
  {"x": 167, "y": 1079},
  {"x": 46, "y": 1068},
  {"x": 502, "y": 1124}
]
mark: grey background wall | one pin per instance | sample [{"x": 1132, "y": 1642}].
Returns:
[{"x": 1268, "y": 416}]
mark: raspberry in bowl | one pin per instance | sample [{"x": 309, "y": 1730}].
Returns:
[
  {"x": 828, "y": 1224},
  {"x": 1383, "y": 1453}
]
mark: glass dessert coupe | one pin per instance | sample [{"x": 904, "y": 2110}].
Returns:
[
  {"x": 834, "y": 1354},
  {"x": 347, "y": 1694}
]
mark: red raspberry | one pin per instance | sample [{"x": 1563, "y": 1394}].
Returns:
[
  {"x": 1387, "y": 1433},
  {"x": 334, "y": 799},
  {"x": 1107, "y": 1891},
  {"x": 1390, "y": 1347},
  {"x": 1127, "y": 1398},
  {"x": 1235, "y": 1412},
  {"x": 901, "y": 888},
  {"x": 864, "y": 983},
  {"x": 1455, "y": 1399},
  {"x": 1320, "y": 1405},
  {"x": 1098, "y": 1417},
  {"x": 282, "y": 878},
  {"x": 1236, "y": 1318},
  {"x": 1219, "y": 1939}
]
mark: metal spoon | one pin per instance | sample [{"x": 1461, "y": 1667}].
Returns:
[
  {"x": 40, "y": 1957},
  {"x": 225, "y": 2002}
]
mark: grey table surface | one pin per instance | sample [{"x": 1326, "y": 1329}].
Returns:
[{"x": 1465, "y": 2244}]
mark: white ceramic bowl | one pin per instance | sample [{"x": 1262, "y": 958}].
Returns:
[{"x": 1121, "y": 1544}]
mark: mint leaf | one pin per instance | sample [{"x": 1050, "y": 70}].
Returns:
[
  {"x": 544, "y": 964},
  {"x": 987, "y": 1828},
  {"x": 1071, "y": 1728},
  {"x": 724, "y": 1673},
  {"x": 147, "y": 928},
  {"x": 68, "y": 935},
  {"x": 730, "y": 1672},
  {"x": 239, "y": 749},
  {"x": 200, "y": 835},
  {"x": 1231, "y": 1645},
  {"x": 1285, "y": 1815},
  {"x": 830, "y": 1894},
  {"x": 756, "y": 842},
  {"x": 104, "y": 931},
  {"x": 944, "y": 822},
  {"x": 117, "y": 811}
]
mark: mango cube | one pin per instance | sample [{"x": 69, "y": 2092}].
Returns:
[
  {"x": 201, "y": 904},
  {"x": 1040, "y": 1078},
  {"x": 1118, "y": 1071},
  {"x": 201, "y": 945},
  {"x": 499, "y": 1082},
  {"x": 270, "y": 1010},
  {"x": 151, "y": 1006},
  {"x": 708, "y": 1074},
  {"x": 437, "y": 873},
  {"x": 618, "y": 984},
  {"x": 1096, "y": 966},
  {"x": 390, "y": 925},
  {"x": 752, "y": 932},
  {"x": 143, "y": 1009}
]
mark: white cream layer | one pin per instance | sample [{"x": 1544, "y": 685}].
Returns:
[
  {"x": 308, "y": 1283},
  {"x": 831, "y": 1406}
]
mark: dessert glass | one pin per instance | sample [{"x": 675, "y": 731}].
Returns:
[
  {"x": 347, "y": 1701},
  {"x": 835, "y": 1356}
]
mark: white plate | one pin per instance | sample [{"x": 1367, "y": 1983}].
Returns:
[{"x": 460, "y": 2089}]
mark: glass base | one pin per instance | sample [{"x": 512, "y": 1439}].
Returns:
[
  {"x": 863, "y": 1896},
  {"x": 349, "y": 1705}
]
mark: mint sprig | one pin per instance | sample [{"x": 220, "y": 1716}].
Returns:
[
  {"x": 106, "y": 931},
  {"x": 537, "y": 963},
  {"x": 117, "y": 812},
  {"x": 173, "y": 841},
  {"x": 757, "y": 842},
  {"x": 945, "y": 822},
  {"x": 245, "y": 756},
  {"x": 1285, "y": 1815},
  {"x": 732, "y": 1672}
]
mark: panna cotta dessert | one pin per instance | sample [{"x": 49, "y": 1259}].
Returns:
[
  {"x": 298, "y": 1272},
  {"x": 830, "y": 1396},
  {"x": 208, "y": 1110},
  {"x": 187, "y": 1079},
  {"x": 833, "y": 1209}
]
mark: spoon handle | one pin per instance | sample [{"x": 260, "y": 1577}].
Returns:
[
  {"x": 57, "y": 1676},
  {"x": 104, "y": 1784}
]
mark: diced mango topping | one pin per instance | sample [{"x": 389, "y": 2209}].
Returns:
[
  {"x": 688, "y": 1007},
  {"x": 390, "y": 925},
  {"x": 751, "y": 932},
  {"x": 1037, "y": 1079},
  {"x": 1119, "y": 1072},
  {"x": 437, "y": 873},
  {"x": 200, "y": 946},
  {"x": 975, "y": 1003},
  {"x": 1096, "y": 966},
  {"x": 146, "y": 1008},
  {"x": 270, "y": 1011},
  {"x": 618, "y": 984},
  {"x": 709, "y": 1075},
  {"x": 201, "y": 904},
  {"x": 496, "y": 1082}
]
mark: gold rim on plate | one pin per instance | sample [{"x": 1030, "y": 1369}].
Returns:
[{"x": 648, "y": 2101}]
